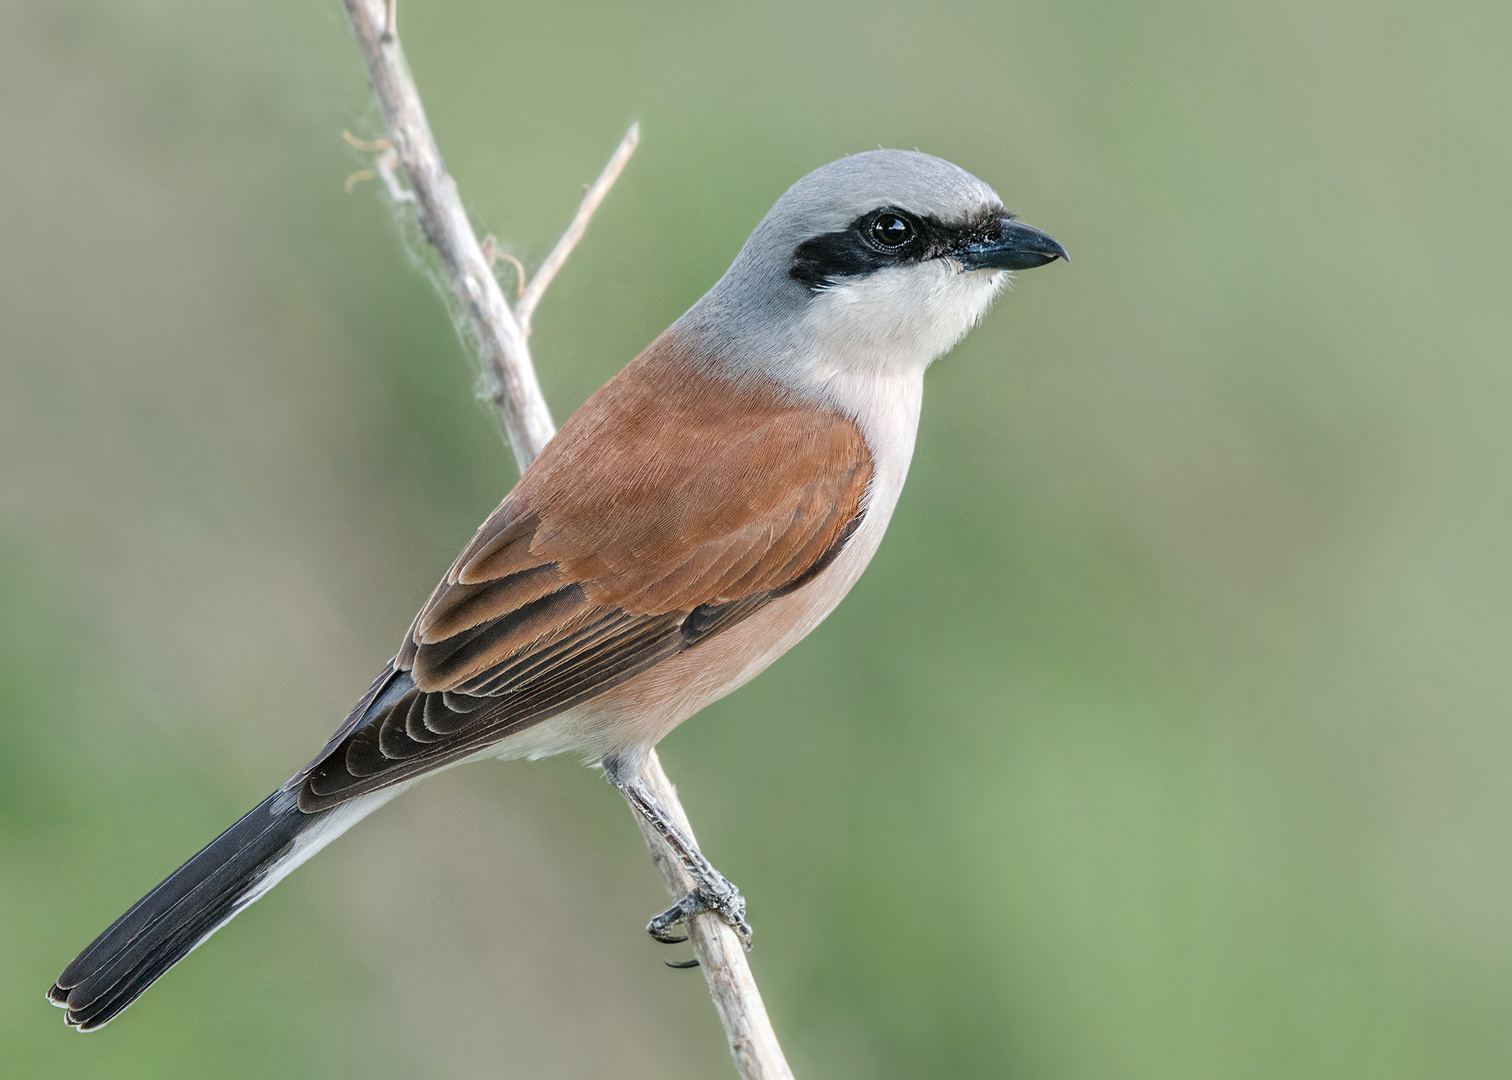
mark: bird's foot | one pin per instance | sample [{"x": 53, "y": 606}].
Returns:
[{"x": 718, "y": 897}]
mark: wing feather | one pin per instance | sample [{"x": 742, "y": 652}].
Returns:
[{"x": 463, "y": 606}]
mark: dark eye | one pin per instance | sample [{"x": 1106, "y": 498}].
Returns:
[{"x": 891, "y": 231}]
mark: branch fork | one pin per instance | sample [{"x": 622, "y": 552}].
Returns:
[{"x": 500, "y": 333}]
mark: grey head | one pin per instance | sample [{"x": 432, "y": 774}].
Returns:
[{"x": 883, "y": 258}]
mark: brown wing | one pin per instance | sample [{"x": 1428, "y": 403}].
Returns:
[{"x": 669, "y": 508}]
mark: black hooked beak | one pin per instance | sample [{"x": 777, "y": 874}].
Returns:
[{"x": 1017, "y": 247}]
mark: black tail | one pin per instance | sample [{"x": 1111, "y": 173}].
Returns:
[{"x": 191, "y": 904}]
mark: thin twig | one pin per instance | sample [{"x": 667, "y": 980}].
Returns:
[
  {"x": 501, "y": 341},
  {"x": 367, "y": 146},
  {"x": 753, "y": 1043},
  {"x": 385, "y": 171},
  {"x": 591, "y": 199},
  {"x": 493, "y": 253},
  {"x": 444, "y": 222}
]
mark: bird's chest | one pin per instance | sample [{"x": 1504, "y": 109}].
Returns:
[{"x": 887, "y": 411}]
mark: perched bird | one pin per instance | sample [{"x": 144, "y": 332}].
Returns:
[{"x": 699, "y": 515}]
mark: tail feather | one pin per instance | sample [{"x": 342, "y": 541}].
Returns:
[
  {"x": 197, "y": 899},
  {"x": 186, "y": 908},
  {"x": 204, "y": 894}
]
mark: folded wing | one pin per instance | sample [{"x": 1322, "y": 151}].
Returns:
[{"x": 672, "y": 506}]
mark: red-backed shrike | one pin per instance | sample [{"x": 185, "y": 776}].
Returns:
[{"x": 691, "y": 522}]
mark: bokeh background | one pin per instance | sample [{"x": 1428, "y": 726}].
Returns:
[{"x": 1168, "y": 735}]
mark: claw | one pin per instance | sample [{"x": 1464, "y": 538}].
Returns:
[
  {"x": 712, "y": 892},
  {"x": 682, "y": 965},
  {"x": 724, "y": 900},
  {"x": 661, "y": 926}
]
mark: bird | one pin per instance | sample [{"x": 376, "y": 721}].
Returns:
[{"x": 700, "y": 514}]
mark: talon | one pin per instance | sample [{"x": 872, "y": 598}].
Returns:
[
  {"x": 712, "y": 891},
  {"x": 661, "y": 934},
  {"x": 721, "y": 899},
  {"x": 661, "y": 926},
  {"x": 682, "y": 964}
]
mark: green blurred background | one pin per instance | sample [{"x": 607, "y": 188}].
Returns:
[{"x": 1168, "y": 735}]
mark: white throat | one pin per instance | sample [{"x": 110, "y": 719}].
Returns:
[
  {"x": 898, "y": 318},
  {"x": 866, "y": 343}
]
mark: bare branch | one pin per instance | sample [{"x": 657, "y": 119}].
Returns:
[
  {"x": 444, "y": 222},
  {"x": 591, "y": 200},
  {"x": 753, "y": 1043},
  {"x": 500, "y": 336}
]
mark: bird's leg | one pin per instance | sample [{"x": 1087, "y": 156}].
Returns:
[{"x": 712, "y": 891}]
